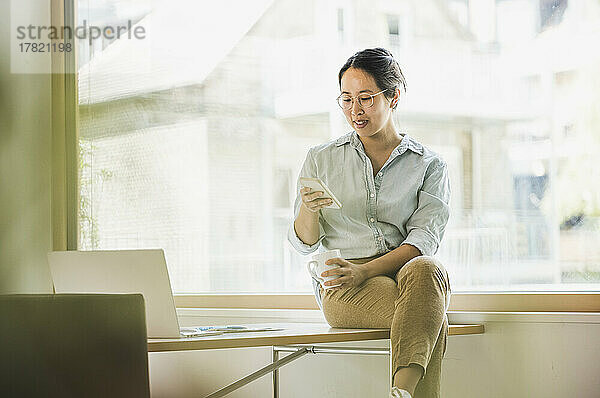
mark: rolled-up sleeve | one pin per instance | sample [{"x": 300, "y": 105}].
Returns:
[
  {"x": 308, "y": 170},
  {"x": 425, "y": 227}
]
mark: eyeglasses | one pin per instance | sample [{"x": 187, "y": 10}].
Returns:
[{"x": 346, "y": 101}]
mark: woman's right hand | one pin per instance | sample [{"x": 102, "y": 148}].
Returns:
[{"x": 312, "y": 200}]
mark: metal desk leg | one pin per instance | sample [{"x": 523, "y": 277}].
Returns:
[
  {"x": 275, "y": 374},
  {"x": 296, "y": 352},
  {"x": 259, "y": 373}
]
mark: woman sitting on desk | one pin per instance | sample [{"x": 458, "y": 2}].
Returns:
[{"x": 395, "y": 194}]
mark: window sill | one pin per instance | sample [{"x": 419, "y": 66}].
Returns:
[
  {"x": 455, "y": 317},
  {"x": 510, "y": 302}
]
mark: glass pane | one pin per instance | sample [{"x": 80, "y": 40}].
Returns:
[{"x": 193, "y": 133}]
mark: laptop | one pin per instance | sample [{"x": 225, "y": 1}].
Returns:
[
  {"x": 130, "y": 271},
  {"x": 121, "y": 271}
]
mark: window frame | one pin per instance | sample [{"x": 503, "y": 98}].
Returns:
[
  {"x": 64, "y": 173},
  {"x": 65, "y": 204}
]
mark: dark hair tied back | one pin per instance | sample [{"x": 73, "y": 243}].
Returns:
[{"x": 380, "y": 64}]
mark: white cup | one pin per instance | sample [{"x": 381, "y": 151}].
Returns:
[{"x": 317, "y": 266}]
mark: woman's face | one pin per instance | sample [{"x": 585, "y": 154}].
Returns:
[{"x": 365, "y": 121}]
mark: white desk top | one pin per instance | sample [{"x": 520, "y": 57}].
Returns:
[{"x": 293, "y": 333}]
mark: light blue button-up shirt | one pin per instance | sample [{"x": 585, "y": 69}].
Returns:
[{"x": 406, "y": 202}]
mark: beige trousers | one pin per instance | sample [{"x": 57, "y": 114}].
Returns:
[{"x": 413, "y": 305}]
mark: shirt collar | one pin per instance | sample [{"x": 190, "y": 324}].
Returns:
[
  {"x": 344, "y": 139},
  {"x": 407, "y": 143}
]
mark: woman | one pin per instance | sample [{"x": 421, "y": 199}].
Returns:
[{"x": 395, "y": 194}]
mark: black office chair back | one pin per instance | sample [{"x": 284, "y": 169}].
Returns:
[{"x": 73, "y": 345}]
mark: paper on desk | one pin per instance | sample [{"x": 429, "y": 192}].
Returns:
[
  {"x": 247, "y": 329},
  {"x": 217, "y": 330},
  {"x": 199, "y": 333}
]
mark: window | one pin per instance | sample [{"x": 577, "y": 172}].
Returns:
[
  {"x": 343, "y": 22},
  {"x": 397, "y": 34},
  {"x": 340, "y": 24},
  {"x": 551, "y": 12},
  {"x": 191, "y": 139},
  {"x": 393, "y": 26}
]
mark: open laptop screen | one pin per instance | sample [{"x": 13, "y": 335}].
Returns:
[{"x": 121, "y": 271}]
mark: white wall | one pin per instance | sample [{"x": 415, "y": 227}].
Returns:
[
  {"x": 25, "y": 159},
  {"x": 530, "y": 355},
  {"x": 545, "y": 355}
]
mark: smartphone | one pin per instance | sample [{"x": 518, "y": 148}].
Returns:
[{"x": 317, "y": 185}]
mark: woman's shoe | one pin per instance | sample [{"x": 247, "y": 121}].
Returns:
[{"x": 399, "y": 393}]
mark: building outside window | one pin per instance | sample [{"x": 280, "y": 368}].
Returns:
[{"x": 192, "y": 138}]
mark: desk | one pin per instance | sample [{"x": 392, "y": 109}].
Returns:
[{"x": 297, "y": 338}]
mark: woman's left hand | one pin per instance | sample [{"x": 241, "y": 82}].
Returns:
[{"x": 351, "y": 274}]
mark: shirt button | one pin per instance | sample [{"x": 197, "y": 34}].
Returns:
[
  {"x": 372, "y": 219},
  {"x": 372, "y": 195},
  {"x": 380, "y": 238}
]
